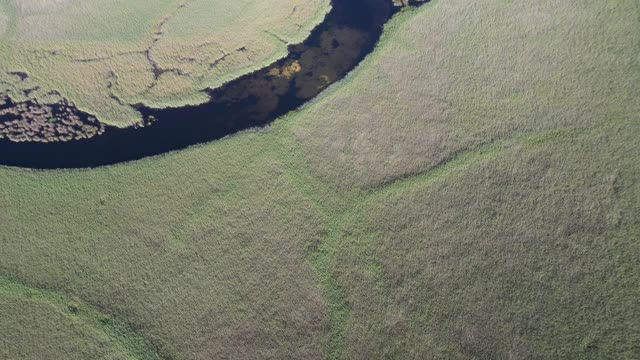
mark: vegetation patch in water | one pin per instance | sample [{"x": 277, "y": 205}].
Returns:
[
  {"x": 106, "y": 56},
  {"x": 32, "y": 122}
]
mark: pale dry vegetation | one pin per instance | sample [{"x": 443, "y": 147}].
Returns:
[
  {"x": 106, "y": 56},
  {"x": 469, "y": 73},
  {"x": 39, "y": 6},
  {"x": 526, "y": 249},
  {"x": 469, "y": 192},
  {"x": 4, "y": 23}
]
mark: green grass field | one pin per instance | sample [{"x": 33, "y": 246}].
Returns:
[
  {"x": 106, "y": 55},
  {"x": 471, "y": 191}
]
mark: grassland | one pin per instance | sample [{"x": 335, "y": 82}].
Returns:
[
  {"x": 63, "y": 326},
  {"x": 105, "y": 56},
  {"x": 483, "y": 203}
]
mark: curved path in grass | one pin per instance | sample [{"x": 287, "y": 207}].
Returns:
[
  {"x": 349, "y": 32},
  {"x": 33, "y": 319}
]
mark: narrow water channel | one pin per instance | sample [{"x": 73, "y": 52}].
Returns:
[{"x": 349, "y": 32}]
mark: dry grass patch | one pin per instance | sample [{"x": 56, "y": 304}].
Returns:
[
  {"x": 524, "y": 250},
  {"x": 39, "y": 6},
  {"x": 459, "y": 74},
  {"x": 4, "y": 23}
]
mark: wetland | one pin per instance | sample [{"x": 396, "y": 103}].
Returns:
[{"x": 61, "y": 136}]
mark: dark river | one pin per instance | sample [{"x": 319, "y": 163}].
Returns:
[{"x": 349, "y": 32}]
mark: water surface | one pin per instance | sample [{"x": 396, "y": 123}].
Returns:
[{"x": 349, "y": 32}]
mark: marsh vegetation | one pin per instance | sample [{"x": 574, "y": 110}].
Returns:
[
  {"x": 348, "y": 33},
  {"x": 470, "y": 191},
  {"x": 107, "y": 56}
]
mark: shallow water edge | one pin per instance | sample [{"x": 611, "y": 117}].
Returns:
[{"x": 348, "y": 34}]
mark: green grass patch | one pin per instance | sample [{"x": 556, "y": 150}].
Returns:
[
  {"x": 44, "y": 324},
  {"x": 470, "y": 191}
]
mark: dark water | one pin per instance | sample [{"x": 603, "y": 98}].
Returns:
[{"x": 349, "y": 32}]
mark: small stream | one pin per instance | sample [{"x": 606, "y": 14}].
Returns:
[{"x": 349, "y": 33}]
